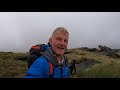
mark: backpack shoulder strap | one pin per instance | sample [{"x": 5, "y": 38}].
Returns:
[
  {"x": 51, "y": 69},
  {"x": 66, "y": 61}
]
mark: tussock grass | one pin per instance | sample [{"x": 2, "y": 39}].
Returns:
[
  {"x": 11, "y": 68},
  {"x": 111, "y": 70},
  {"x": 108, "y": 67}
]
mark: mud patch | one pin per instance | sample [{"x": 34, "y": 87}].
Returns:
[{"x": 86, "y": 63}]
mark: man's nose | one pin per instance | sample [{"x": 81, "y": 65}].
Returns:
[{"x": 62, "y": 42}]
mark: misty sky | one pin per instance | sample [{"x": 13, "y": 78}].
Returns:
[{"x": 20, "y": 30}]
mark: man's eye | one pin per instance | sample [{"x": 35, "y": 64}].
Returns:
[
  {"x": 66, "y": 41},
  {"x": 58, "y": 39}
]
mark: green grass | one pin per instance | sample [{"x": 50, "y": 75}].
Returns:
[
  {"x": 108, "y": 68},
  {"x": 101, "y": 71},
  {"x": 11, "y": 68}
]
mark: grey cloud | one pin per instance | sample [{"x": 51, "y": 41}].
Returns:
[{"x": 20, "y": 30}]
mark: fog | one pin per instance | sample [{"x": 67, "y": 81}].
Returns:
[{"x": 20, "y": 30}]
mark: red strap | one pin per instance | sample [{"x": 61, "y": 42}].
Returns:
[
  {"x": 51, "y": 68},
  {"x": 36, "y": 47}
]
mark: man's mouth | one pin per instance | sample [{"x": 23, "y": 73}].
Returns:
[{"x": 62, "y": 48}]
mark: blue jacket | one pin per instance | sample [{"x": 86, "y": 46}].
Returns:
[{"x": 40, "y": 68}]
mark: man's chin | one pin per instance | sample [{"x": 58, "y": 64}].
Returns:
[{"x": 59, "y": 54}]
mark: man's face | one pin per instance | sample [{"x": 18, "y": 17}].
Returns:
[{"x": 59, "y": 43}]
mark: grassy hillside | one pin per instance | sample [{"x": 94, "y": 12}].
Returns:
[
  {"x": 107, "y": 68},
  {"x": 12, "y": 67}
]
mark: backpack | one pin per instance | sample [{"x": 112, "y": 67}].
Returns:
[{"x": 35, "y": 52}]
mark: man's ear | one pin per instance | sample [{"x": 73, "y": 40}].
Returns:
[{"x": 50, "y": 40}]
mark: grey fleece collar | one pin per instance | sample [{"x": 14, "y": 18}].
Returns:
[{"x": 48, "y": 54}]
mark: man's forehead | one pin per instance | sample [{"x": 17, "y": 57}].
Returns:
[
  {"x": 61, "y": 35},
  {"x": 57, "y": 33}
]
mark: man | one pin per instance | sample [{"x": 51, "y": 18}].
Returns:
[
  {"x": 54, "y": 54},
  {"x": 72, "y": 66}
]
